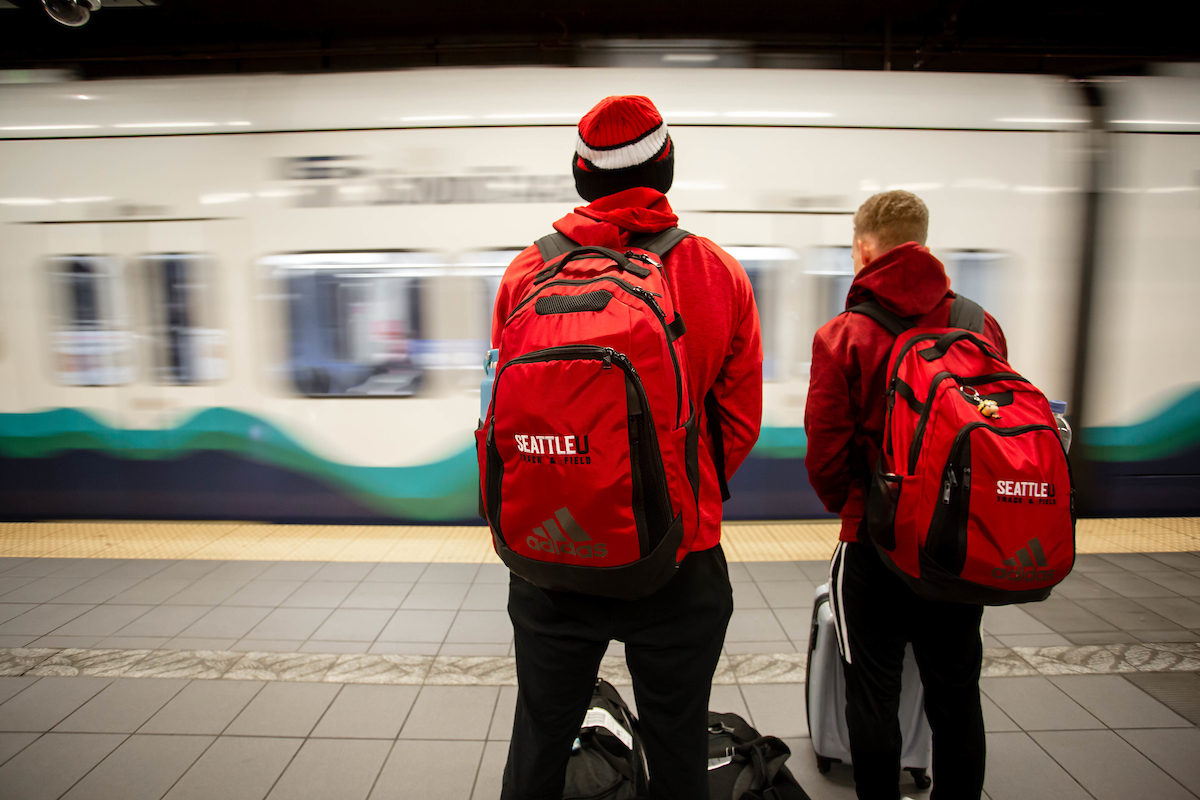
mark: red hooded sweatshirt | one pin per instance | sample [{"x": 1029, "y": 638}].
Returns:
[
  {"x": 849, "y": 372},
  {"x": 712, "y": 292}
]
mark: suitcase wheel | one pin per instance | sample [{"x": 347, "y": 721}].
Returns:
[
  {"x": 823, "y": 764},
  {"x": 919, "y": 777}
]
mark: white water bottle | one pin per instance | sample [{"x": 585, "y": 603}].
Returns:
[{"x": 1059, "y": 409}]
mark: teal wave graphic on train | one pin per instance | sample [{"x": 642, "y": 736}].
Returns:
[{"x": 1164, "y": 445}]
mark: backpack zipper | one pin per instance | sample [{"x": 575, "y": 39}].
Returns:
[
  {"x": 647, "y": 297},
  {"x": 914, "y": 449}
]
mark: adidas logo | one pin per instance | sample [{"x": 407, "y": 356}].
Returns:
[
  {"x": 1029, "y": 564},
  {"x": 561, "y": 535}
]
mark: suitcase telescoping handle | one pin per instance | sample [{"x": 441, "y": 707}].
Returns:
[{"x": 623, "y": 263}]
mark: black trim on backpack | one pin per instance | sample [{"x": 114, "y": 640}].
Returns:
[
  {"x": 573, "y": 303},
  {"x": 893, "y": 323},
  {"x": 712, "y": 409},
  {"x": 677, "y": 328},
  {"x": 623, "y": 263},
  {"x": 553, "y": 245},
  {"x": 965, "y": 313},
  {"x": 659, "y": 243}
]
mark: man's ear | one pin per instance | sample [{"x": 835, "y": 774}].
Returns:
[{"x": 868, "y": 250}]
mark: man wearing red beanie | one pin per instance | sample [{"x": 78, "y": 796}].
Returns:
[{"x": 623, "y": 165}]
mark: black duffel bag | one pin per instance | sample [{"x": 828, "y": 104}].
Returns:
[
  {"x": 744, "y": 765},
  {"x": 607, "y": 762}
]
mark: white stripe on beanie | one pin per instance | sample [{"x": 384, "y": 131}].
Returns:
[{"x": 630, "y": 155}]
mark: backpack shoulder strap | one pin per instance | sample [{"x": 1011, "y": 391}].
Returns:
[
  {"x": 894, "y": 324},
  {"x": 965, "y": 313},
  {"x": 553, "y": 245},
  {"x": 659, "y": 243}
]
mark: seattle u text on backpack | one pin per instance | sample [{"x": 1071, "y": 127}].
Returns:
[
  {"x": 588, "y": 456},
  {"x": 971, "y": 499}
]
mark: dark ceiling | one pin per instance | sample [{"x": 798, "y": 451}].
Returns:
[{"x": 180, "y": 37}]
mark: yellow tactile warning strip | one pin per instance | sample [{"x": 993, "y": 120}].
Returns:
[{"x": 252, "y": 541}]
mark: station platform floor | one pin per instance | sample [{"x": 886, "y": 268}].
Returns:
[{"x": 230, "y": 660}]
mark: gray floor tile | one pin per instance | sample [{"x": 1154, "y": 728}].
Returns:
[
  {"x": 367, "y": 712},
  {"x": 738, "y": 572},
  {"x": 15, "y": 582},
  {"x": 396, "y": 573},
  {"x": 1036, "y": 704},
  {"x": 787, "y": 594},
  {"x": 1178, "y": 582},
  {"x": 86, "y": 567},
  {"x": 15, "y": 639},
  {"x": 47, "y": 702},
  {"x": 1174, "y": 751},
  {"x": 49, "y": 766},
  {"x": 353, "y": 571},
  {"x": 999, "y": 620},
  {"x": 498, "y": 573},
  {"x": 1179, "y": 610},
  {"x": 142, "y": 768},
  {"x": 40, "y": 620},
  {"x": 817, "y": 572},
  {"x": 13, "y": 743},
  {"x": 205, "y": 592},
  {"x": 451, "y": 712},
  {"x": 1018, "y": 769},
  {"x": 1134, "y": 562},
  {"x": 727, "y": 699},
  {"x": 152, "y": 591},
  {"x": 417, "y": 626},
  {"x": 63, "y": 642},
  {"x": 133, "y": 642},
  {"x": 995, "y": 720},
  {"x": 436, "y": 595},
  {"x": 236, "y": 768},
  {"x": 43, "y": 590},
  {"x": 1179, "y": 691},
  {"x": 249, "y": 645},
  {"x": 413, "y": 771},
  {"x": 486, "y": 597},
  {"x": 354, "y": 625},
  {"x": 14, "y": 685},
  {"x": 1089, "y": 563},
  {"x": 122, "y": 707},
  {"x": 405, "y": 648},
  {"x": 319, "y": 594},
  {"x": 1100, "y": 637},
  {"x": 332, "y": 769},
  {"x": 1127, "y": 584},
  {"x": 10, "y": 610},
  {"x": 291, "y": 571},
  {"x": 1032, "y": 639},
  {"x": 290, "y": 623},
  {"x": 754, "y": 625},
  {"x": 101, "y": 621},
  {"x": 467, "y": 649},
  {"x": 199, "y": 643},
  {"x": 837, "y": 784},
  {"x": 490, "y": 772},
  {"x": 1176, "y": 635},
  {"x": 1109, "y": 767},
  {"x": 262, "y": 593},
  {"x": 1065, "y": 616},
  {"x": 203, "y": 707},
  {"x": 777, "y": 710},
  {"x": 226, "y": 622},
  {"x": 1077, "y": 586},
  {"x": 449, "y": 573},
  {"x": 747, "y": 595},
  {"x": 506, "y": 707},
  {"x": 1128, "y": 615},
  {"x": 481, "y": 627},
  {"x": 796, "y": 622},
  {"x": 140, "y": 568},
  {"x": 763, "y": 571},
  {"x": 760, "y": 647},
  {"x": 284, "y": 709},
  {"x": 1183, "y": 561},
  {"x": 1118, "y": 703},
  {"x": 191, "y": 570},
  {"x": 38, "y": 566},
  {"x": 164, "y": 621},
  {"x": 97, "y": 590},
  {"x": 241, "y": 571},
  {"x": 377, "y": 595},
  {"x": 334, "y": 647}
]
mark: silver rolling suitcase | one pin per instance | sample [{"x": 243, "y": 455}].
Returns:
[{"x": 825, "y": 696}]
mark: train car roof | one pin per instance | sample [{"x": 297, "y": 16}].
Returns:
[{"x": 506, "y": 97}]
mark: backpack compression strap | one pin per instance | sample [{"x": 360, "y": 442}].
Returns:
[{"x": 965, "y": 313}]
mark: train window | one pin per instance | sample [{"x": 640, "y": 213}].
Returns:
[
  {"x": 772, "y": 273},
  {"x": 485, "y": 268},
  {"x": 982, "y": 275},
  {"x": 187, "y": 348},
  {"x": 357, "y": 321},
  {"x": 92, "y": 343}
]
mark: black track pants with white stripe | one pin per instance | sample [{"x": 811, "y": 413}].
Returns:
[{"x": 877, "y": 615}]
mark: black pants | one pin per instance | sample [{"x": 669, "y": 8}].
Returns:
[
  {"x": 881, "y": 615},
  {"x": 672, "y": 641}
]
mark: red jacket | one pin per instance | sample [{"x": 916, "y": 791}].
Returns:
[
  {"x": 849, "y": 372},
  {"x": 722, "y": 344}
]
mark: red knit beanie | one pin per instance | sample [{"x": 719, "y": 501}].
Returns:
[{"x": 622, "y": 143}]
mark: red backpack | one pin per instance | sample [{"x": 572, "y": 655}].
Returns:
[
  {"x": 588, "y": 454},
  {"x": 971, "y": 499}
]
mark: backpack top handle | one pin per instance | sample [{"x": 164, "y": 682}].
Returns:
[{"x": 622, "y": 262}]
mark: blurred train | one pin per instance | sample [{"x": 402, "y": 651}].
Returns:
[{"x": 269, "y": 297}]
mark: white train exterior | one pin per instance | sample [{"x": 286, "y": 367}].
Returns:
[{"x": 268, "y": 297}]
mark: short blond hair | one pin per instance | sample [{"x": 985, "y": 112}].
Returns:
[{"x": 893, "y": 218}]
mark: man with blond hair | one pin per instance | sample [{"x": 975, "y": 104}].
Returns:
[{"x": 876, "y": 613}]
